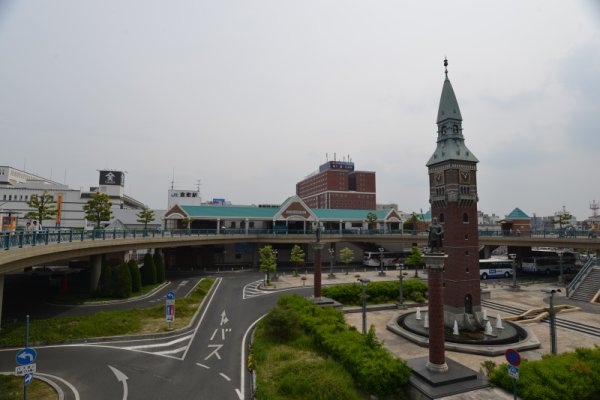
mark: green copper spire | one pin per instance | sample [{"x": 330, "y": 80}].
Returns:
[{"x": 450, "y": 140}]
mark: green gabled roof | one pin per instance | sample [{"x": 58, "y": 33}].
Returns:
[
  {"x": 230, "y": 211},
  {"x": 517, "y": 213},
  {"x": 327, "y": 214},
  {"x": 426, "y": 216}
]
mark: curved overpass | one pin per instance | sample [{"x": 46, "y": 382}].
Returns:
[{"x": 14, "y": 258}]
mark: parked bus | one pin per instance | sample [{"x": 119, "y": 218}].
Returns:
[
  {"x": 547, "y": 261},
  {"x": 495, "y": 268},
  {"x": 390, "y": 258}
]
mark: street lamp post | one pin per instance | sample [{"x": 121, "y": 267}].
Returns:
[
  {"x": 513, "y": 257},
  {"x": 331, "y": 257},
  {"x": 552, "y": 313},
  {"x": 381, "y": 250},
  {"x": 401, "y": 289},
  {"x": 561, "y": 278},
  {"x": 275, "y": 269},
  {"x": 364, "y": 282}
]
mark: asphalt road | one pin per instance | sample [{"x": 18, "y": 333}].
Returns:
[{"x": 206, "y": 361}]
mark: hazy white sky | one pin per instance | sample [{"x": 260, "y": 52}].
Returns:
[{"x": 248, "y": 96}]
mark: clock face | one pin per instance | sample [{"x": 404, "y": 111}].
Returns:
[
  {"x": 438, "y": 177},
  {"x": 464, "y": 175}
]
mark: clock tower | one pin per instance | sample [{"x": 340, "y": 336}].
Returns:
[{"x": 453, "y": 197}]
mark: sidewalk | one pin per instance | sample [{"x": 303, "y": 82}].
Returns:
[{"x": 527, "y": 297}]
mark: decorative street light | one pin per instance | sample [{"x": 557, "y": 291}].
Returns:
[
  {"x": 400, "y": 267},
  {"x": 381, "y": 250},
  {"x": 331, "y": 257},
  {"x": 561, "y": 278},
  {"x": 513, "y": 257},
  {"x": 552, "y": 313},
  {"x": 364, "y": 282},
  {"x": 275, "y": 269}
]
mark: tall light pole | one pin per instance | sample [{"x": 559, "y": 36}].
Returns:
[
  {"x": 381, "y": 250},
  {"x": 331, "y": 257},
  {"x": 275, "y": 260},
  {"x": 561, "y": 278},
  {"x": 401, "y": 289},
  {"x": 552, "y": 313},
  {"x": 364, "y": 282},
  {"x": 513, "y": 257}
]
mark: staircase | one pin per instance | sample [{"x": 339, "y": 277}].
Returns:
[{"x": 588, "y": 287}]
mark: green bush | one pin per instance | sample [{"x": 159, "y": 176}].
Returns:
[
  {"x": 377, "y": 292},
  {"x": 568, "y": 376},
  {"x": 159, "y": 263},
  {"x": 282, "y": 323},
  {"x": 371, "y": 366},
  {"x": 136, "y": 277},
  {"x": 122, "y": 288},
  {"x": 106, "y": 281},
  {"x": 148, "y": 270}
]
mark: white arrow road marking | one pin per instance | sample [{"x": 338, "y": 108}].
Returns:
[
  {"x": 241, "y": 393},
  {"x": 228, "y": 379},
  {"x": 224, "y": 319},
  {"x": 215, "y": 351},
  {"x": 121, "y": 377}
]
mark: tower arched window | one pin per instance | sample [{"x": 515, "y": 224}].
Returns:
[
  {"x": 465, "y": 217},
  {"x": 441, "y": 218},
  {"x": 455, "y": 129}
]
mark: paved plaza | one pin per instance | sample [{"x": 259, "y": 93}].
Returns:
[{"x": 527, "y": 297}]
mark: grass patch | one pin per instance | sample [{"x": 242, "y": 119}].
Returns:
[
  {"x": 11, "y": 388},
  {"x": 108, "y": 323},
  {"x": 295, "y": 370}
]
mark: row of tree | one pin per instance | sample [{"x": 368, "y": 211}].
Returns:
[
  {"x": 97, "y": 209},
  {"x": 123, "y": 280}
]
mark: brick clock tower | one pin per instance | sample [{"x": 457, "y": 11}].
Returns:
[{"x": 453, "y": 197}]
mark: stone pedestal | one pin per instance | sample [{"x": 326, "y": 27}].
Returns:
[
  {"x": 435, "y": 269},
  {"x": 317, "y": 247}
]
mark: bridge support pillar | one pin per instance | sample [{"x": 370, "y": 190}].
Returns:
[
  {"x": 487, "y": 251},
  {"x": 1, "y": 297},
  {"x": 95, "y": 270}
]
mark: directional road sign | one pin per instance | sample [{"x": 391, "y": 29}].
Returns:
[
  {"x": 26, "y": 356},
  {"x": 513, "y": 371},
  {"x": 171, "y": 296},
  {"x": 170, "y": 307},
  {"x": 28, "y": 378},
  {"x": 23, "y": 370}
]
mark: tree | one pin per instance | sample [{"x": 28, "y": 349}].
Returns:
[
  {"x": 136, "y": 277},
  {"x": 97, "y": 209},
  {"x": 562, "y": 218},
  {"x": 371, "y": 219},
  {"x": 144, "y": 216},
  {"x": 346, "y": 255},
  {"x": 187, "y": 221},
  {"x": 44, "y": 207},
  {"x": 159, "y": 263},
  {"x": 411, "y": 223},
  {"x": 267, "y": 261},
  {"x": 148, "y": 270},
  {"x": 122, "y": 288},
  {"x": 297, "y": 257},
  {"x": 106, "y": 281},
  {"x": 415, "y": 259}
]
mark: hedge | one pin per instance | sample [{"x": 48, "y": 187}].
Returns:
[
  {"x": 377, "y": 292},
  {"x": 148, "y": 270},
  {"x": 371, "y": 366}
]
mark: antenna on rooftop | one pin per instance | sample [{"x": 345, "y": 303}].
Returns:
[
  {"x": 594, "y": 207},
  {"x": 173, "y": 180}
]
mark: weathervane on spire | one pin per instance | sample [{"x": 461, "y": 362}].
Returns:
[{"x": 446, "y": 66}]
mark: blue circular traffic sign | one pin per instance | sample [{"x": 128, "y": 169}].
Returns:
[
  {"x": 513, "y": 357},
  {"x": 170, "y": 295},
  {"x": 26, "y": 356}
]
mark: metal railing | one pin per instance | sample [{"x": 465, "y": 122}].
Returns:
[{"x": 572, "y": 286}]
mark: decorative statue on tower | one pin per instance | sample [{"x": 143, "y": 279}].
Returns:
[{"x": 436, "y": 235}]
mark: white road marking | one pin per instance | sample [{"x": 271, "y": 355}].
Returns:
[
  {"x": 215, "y": 351},
  {"x": 213, "y": 335},
  {"x": 228, "y": 379},
  {"x": 242, "y": 393},
  {"x": 224, "y": 318},
  {"x": 121, "y": 377},
  {"x": 151, "y": 346},
  {"x": 75, "y": 392},
  {"x": 203, "y": 366},
  {"x": 167, "y": 352}
]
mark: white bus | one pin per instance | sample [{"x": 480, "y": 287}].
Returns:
[
  {"x": 495, "y": 268},
  {"x": 390, "y": 258}
]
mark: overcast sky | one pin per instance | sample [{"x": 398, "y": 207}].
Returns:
[{"x": 249, "y": 96}]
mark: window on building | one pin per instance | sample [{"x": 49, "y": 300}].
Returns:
[
  {"x": 233, "y": 224},
  {"x": 465, "y": 218}
]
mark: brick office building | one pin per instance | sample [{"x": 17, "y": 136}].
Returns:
[
  {"x": 453, "y": 197},
  {"x": 338, "y": 186}
]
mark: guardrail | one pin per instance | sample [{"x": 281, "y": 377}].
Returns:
[
  {"x": 580, "y": 275},
  {"x": 21, "y": 239}
]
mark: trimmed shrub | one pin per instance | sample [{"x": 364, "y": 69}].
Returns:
[
  {"x": 371, "y": 366},
  {"x": 148, "y": 270},
  {"x": 159, "y": 263},
  {"x": 136, "y": 277},
  {"x": 282, "y": 323},
  {"x": 122, "y": 287},
  {"x": 106, "y": 281},
  {"x": 377, "y": 292}
]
